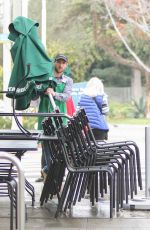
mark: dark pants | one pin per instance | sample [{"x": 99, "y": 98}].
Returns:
[
  {"x": 46, "y": 157},
  {"x": 100, "y": 134}
]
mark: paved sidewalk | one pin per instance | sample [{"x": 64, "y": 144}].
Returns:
[{"x": 82, "y": 216}]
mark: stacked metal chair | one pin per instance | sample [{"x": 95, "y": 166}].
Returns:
[
  {"x": 8, "y": 188},
  {"x": 57, "y": 166},
  {"x": 92, "y": 168},
  {"x": 128, "y": 149},
  {"x": 119, "y": 154},
  {"x": 82, "y": 170},
  {"x": 126, "y": 146}
]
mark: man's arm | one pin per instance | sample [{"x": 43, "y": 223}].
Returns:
[{"x": 67, "y": 91}]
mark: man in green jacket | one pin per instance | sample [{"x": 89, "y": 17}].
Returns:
[
  {"x": 61, "y": 94},
  {"x": 62, "y": 91}
]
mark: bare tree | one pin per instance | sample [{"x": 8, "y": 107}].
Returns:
[
  {"x": 136, "y": 14},
  {"x": 130, "y": 17}
]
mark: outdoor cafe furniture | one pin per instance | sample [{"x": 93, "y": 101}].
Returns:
[
  {"x": 8, "y": 188},
  {"x": 13, "y": 188},
  {"x": 92, "y": 168},
  {"x": 18, "y": 148},
  {"x": 121, "y": 159}
]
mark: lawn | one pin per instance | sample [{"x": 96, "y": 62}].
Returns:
[{"x": 132, "y": 121}]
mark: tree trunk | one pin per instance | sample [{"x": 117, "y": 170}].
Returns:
[
  {"x": 136, "y": 86},
  {"x": 147, "y": 76}
]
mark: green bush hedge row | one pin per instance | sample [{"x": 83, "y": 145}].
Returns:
[{"x": 117, "y": 111}]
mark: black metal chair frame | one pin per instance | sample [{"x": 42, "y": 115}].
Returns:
[
  {"x": 110, "y": 153},
  {"x": 8, "y": 188},
  {"x": 122, "y": 158},
  {"x": 119, "y": 157}
]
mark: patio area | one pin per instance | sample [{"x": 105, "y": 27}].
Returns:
[{"x": 83, "y": 215}]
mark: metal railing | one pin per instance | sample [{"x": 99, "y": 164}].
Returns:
[
  {"x": 147, "y": 162},
  {"x": 20, "y": 186}
]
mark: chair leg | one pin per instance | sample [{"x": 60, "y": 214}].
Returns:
[
  {"x": 11, "y": 196},
  {"x": 111, "y": 195},
  {"x": 30, "y": 189},
  {"x": 63, "y": 195}
]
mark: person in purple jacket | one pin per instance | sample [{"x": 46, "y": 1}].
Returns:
[{"x": 95, "y": 103}]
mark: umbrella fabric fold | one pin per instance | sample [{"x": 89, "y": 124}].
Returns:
[{"x": 32, "y": 69}]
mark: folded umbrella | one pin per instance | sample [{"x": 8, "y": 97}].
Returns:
[{"x": 32, "y": 69}]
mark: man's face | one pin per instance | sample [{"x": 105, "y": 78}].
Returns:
[{"x": 60, "y": 65}]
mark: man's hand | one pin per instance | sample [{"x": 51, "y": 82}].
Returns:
[{"x": 50, "y": 91}]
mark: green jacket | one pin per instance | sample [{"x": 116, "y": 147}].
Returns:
[
  {"x": 32, "y": 67},
  {"x": 63, "y": 89}
]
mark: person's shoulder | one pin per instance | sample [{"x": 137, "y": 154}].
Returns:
[
  {"x": 67, "y": 78},
  {"x": 102, "y": 95},
  {"x": 99, "y": 96},
  {"x": 99, "y": 99}
]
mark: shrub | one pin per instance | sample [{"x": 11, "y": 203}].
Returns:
[
  {"x": 1, "y": 81},
  {"x": 30, "y": 123},
  {"x": 139, "y": 108},
  {"x": 5, "y": 123},
  {"x": 120, "y": 110}
]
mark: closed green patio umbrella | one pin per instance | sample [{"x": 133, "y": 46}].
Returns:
[{"x": 32, "y": 68}]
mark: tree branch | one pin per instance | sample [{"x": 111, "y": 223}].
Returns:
[
  {"x": 105, "y": 45},
  {"x": 145, "y": 67}
]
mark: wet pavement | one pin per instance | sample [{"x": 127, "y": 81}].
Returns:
[{"x": 83, "y": 215}]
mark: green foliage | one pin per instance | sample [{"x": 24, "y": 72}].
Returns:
[
  {"x": 128, "y": 121},
  {"x": 5, "y": 123},
  {"x": 139, "y": 43},
  {"x": 114, "y": 76},
  {"x": 78, "y": 61},
  {"x": 71, "y": 33},
  {"x": 1, "y": 53},
  {"x": 1, "y": 81},
  {"x": 120, "y": 111},
  {"x": 30, "y": 123},
  {"x": 139, "y": 108},
  {"x": 128, "y": 110},
  {"x": 71, "y": 29}
]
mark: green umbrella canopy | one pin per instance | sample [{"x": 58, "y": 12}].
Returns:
[{"x": 32, "y": 69}]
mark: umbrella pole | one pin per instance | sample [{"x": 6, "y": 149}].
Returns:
[{"x": 52, "y": 101}]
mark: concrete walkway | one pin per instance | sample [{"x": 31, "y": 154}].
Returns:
[{"x": 82, "y": 216}]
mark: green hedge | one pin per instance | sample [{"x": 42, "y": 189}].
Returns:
[
  {"x": 28, "y": 123},
  {"x": 119, "y": 110},
  {"x": 127, "y": 110},
  {"x": 5, "y": 123}
]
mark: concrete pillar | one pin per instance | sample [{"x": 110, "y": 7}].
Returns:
[
  {"x": 136, "y": 85},
  {"x": 147, "y": 162},
  {"x": 43, "y": 32},
  {"x": 19, "y": 8},
  {"x": 6, "y": 53}
]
